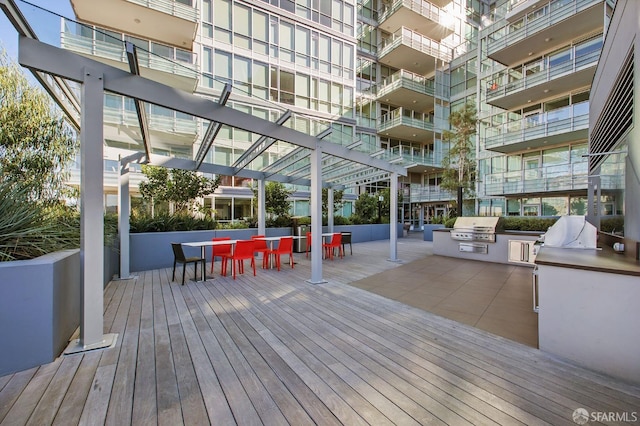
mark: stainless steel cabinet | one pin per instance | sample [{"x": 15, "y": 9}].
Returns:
[{"x": 521, "y": 251}]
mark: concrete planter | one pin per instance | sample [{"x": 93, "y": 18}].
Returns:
[
  {"x": 39, "y": 309},
  {"x": 428, "y": 229},
  {"x": 152, "y": 250}
]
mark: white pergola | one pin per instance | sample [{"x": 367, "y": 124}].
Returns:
[{"x": 311, "y": 160}]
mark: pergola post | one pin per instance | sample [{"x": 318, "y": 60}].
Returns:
[
  {"x": 124, "y": 209},
  {"x": 92, "y": 218},
  {"x": 262, "y": 210},
  {"x": 316, "y": 216},
  {"x": 330, "y": 208},
  {"x": 393, "y": 218}
]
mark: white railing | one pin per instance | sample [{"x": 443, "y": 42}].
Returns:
[
  {"x": 170, "y": 7},
  {"x": 405, "y": 36},
  {"x": 421, "y": 7}
]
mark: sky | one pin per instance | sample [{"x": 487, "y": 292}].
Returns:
[{"x": 47, "y": 26}]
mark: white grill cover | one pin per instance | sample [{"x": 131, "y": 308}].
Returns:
[{"x": 571, "y": 232}]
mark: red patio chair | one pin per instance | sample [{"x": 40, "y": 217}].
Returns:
[
  {"x": 308, "y": 244},
  {"x": 243, "y": 251},
  {"x": 220, "y": 251},
  {"x": 261, "y": 247},
  {"x": 335, "y": 243},
  {"x": 284, "y": 247}
]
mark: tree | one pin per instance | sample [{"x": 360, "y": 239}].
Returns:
[
  {"x": 179, "y": 187},
  {"x": 276, "y": 198},
  {"x": 366, "y": 207},
  {"x": 36, "y": 144},
  {"x": 459, "y": 163}
]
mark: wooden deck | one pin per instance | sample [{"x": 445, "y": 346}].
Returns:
[{"x": 274, "y": 349}]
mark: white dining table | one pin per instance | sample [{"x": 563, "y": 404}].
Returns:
[{"x": 203, "y": 247}]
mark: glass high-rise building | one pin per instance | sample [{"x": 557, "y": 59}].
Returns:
[{"x": 384, "y": 75}]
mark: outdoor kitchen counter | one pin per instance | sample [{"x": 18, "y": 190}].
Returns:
[
  {"x": 599, "y": 260},
  {"x": 588, "y": 311}
]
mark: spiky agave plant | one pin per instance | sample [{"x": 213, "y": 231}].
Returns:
[{"x": 29, "y": 229}]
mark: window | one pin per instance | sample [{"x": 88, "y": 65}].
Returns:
[
  {"x": 222, "y": 21},
  {"x": 260, "y": 32}
]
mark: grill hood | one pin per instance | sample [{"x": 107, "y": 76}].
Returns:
[{"x": 489, "y": 223}]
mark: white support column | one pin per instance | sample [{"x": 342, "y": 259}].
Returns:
[
  {"x": 124, "y": 211},
  {"x": 316, "y": 216},
  {"x": 92, "y": 218},
  {"x": 262, "y": 210},
  {"x": 330, "y": 209},
  {"x": 393, "y": 218}
]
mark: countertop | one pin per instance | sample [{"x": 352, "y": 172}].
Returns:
[{"x": 600, "y": 260}]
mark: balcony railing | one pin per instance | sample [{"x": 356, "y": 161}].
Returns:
[
  {"x": 422, "y": 157},
  {"x": 562, "y": 120},
  {"x": 558, "y": 177},
  {"x": 425, "y": 193},
  {"x": 170, "y": 7},
  {"x": 414, "y": 40},
  {"x": 548, "y": 16},
  {"x": 570, "y": 66},
  {"x": 408, "y": 80},
  {"x": 421, "y": 7},
  {"x": 157, "y": 122},
  {"x": 113, "y": 49},
  {"x": 405, "y": 117}
]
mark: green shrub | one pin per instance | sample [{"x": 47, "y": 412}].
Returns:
[
  {"x": 29, "y": 229},
  {"x": 166, "y": 223},
  {"x": 521, "y": 223},
  {"x": 340, "y": 220},
  {"x": 448, "y": 223},
  {"x": 612, "y": 225}
]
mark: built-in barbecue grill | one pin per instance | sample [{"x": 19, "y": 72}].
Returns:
[{"x": 476, "y": 229}]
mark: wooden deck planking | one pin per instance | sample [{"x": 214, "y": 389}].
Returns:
[{"x": 275, "y": 349}]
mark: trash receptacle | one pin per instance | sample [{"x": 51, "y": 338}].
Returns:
[{"x": 300, "y": 244}]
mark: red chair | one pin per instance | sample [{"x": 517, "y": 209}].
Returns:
[
  {"x": 243, "y": 251},
  {"x": 261, "y": 247},
  {"x": 221, "y": 250},
  {"x": 308, "y": 244},
  {"x": 336, "y": 243},
  {"x": 284, "y": 247}
]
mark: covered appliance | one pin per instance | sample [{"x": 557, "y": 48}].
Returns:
[{"x": 476, "y": 228}]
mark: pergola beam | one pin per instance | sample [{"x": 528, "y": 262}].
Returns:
[
  {"x": 134, "y": 67},
  {"x": 212, "y": 130},
  {"x": 261, "y": 145}
]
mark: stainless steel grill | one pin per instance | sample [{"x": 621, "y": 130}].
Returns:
[{"x": 476, "y": 229}]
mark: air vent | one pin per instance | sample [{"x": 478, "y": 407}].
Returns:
[{"x": 616, "y": 118}]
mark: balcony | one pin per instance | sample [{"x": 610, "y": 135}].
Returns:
[
  {"x": 410, "y": 50},
  {"x": 545, "y": 129},
  {"x": 405, "y": 88},
  {"x": 562, "y": 77},
  {"x": 421, "y": 15},
  {"x": 551, "y": 26},
  {"x": 167, "y": 21},
  {"x": 426, "y": 193},
  {"x": 168, "y": 132},
  {"x": 406, "y": 124},
  {"x": 174, "y": 67},
  {"x": 555, "y": 178},
  {"x": 418, "y": 158}
]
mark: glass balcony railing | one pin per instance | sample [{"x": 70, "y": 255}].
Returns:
[
  {"x": 575, "y": 64},
  {"x": 547, "y": 16},
  {"x": 424, "y": 193},
  {"x": 414, "y": 40},
  {"x": 405, "y": 117},
  {"x": 157, "y": 121},
  {"x": 423, "y": 8},
  {"x": 411, "y": 155},
  {"x": 408, "y": 80},
  {"x": 86, "y": 40},
  {"x": 170, "y": 7},
  {"x": 562, "y": 120},
  {"x": 557, "y": 177}
]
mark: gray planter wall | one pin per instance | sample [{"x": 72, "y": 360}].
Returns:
[
  {"x": 152, "y": 250},
  {"x": 39, "y": 309}
]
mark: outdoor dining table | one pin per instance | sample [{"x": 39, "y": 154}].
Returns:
[{"x": 204, "y": 244}]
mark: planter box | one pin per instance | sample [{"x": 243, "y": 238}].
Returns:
[
  {"x": 152, "y": 250},
  {"x": 39, "y": 309},
  {"x": 428, "y": 230}
]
